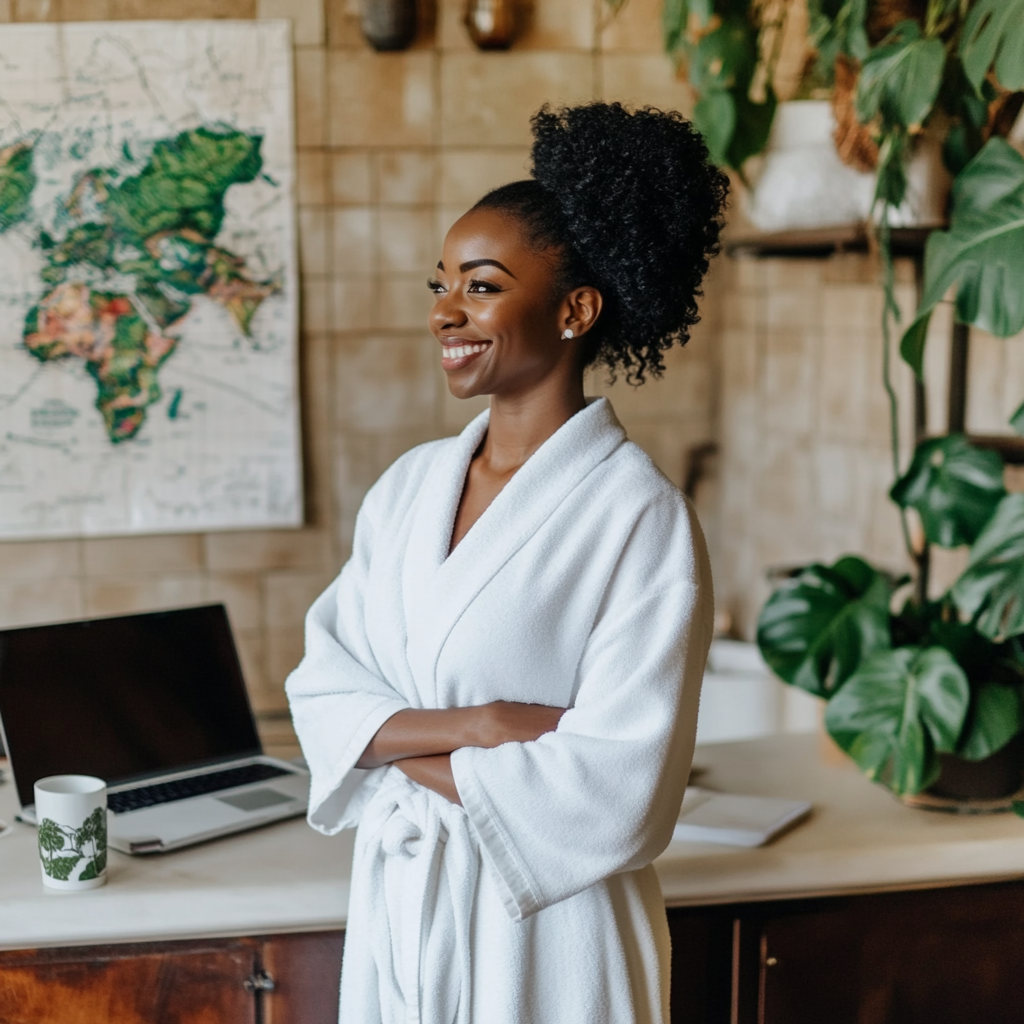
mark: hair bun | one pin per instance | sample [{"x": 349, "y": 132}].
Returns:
[{"x": 642, "y": 204}]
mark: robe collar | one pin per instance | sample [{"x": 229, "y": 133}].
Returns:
[{"x": 437, "y": 586}]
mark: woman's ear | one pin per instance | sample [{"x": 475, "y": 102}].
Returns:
[{"x": 580, "y": 310}]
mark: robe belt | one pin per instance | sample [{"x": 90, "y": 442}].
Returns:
[{"x": 423, "y": 867}]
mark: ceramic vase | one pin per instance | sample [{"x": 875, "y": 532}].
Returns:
[
  {"x": 388, "y": 25},
  {"x": 491, "y": 24}
]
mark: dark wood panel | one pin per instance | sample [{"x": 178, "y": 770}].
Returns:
[
  {"x": 307, "y": 973},
  {"x": 169, "y": 983},
  {"x": 946, "y": 955},
  {"x": 701, "y": 965}
]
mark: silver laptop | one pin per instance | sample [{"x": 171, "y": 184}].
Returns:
[{"x": 154, "y": 704}]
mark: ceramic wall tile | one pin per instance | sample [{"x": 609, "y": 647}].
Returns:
[
  {"x": 557, "y": 25},
  {"x": 177, "y": 10},
  {"x": 130, "y": 556},
  {"x": 314, "y": 240},
  {"x": 381, "y": 99},
  {"x": 314, "y": 304},
  {"x": 310, "y": 96},
  {"x": 6, "y": 11},
  {"x": 467, "y": 174},
  {"x": 405, "y": 302},
  {"x": 124, "y": 595},
  {"x": 354, "y": 303},
  {"x": 352, "y": 178},
  {"x": 487, "y": 99},
  {"x": 354, "y": 229},
  {"x": 406, "y": 242},
  {"x": 634, "y": 28},
  {"x": 385, "y": 382},
  {"x": 242, "y": 594},
  {"x": 40, "y": 559},
  {"x": 311, "y": 178},
  {"x": 306, "y": 16},
  {"x": 259, "y": 550},
  {"x": 643, "y": 80},
  {"x": 31, "y": 602},
  {"x": 406, "y": 177}
]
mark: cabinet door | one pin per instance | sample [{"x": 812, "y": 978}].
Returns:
[
  {"x": 953, "y": 955},
  {"x": 152, "y": 983},
  {"x": 306, "y": 973}
]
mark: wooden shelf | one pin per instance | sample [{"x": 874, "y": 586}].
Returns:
[
  {"x": 1009, "y": 446},
  {"x": 824, "y": 242}
]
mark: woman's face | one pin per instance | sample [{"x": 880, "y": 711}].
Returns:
[{"x": 496, "y": 314}]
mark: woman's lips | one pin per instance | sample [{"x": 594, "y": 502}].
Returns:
[{"x": 456, "y": 354}]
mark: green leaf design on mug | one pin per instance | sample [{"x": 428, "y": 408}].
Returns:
[{"x": 72, "y": 842}]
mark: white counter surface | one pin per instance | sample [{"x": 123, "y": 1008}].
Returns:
[{"x": 286, "y": 877}]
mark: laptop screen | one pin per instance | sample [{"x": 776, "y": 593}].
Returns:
[{"x": 123, "y": 697}]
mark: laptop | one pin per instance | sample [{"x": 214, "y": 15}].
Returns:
[{"x": 154, "y": 704}]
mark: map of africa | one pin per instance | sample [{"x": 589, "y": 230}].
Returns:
[{"x": 147, "y": 279}]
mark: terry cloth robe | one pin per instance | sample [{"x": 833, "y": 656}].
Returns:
[{"x": 584, "y": 585}]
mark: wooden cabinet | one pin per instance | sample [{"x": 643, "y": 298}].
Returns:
[
  {"x": 938, "y": 956},
  {"x": 929, "y": 957},
  {"x": 286, "y": 979}
]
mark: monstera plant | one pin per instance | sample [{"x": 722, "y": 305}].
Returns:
[{"x": 907, "y": 677}]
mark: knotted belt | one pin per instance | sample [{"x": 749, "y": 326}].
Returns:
[{"x": 417, "y": 864}]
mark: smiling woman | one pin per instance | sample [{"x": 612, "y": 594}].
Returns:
[{"x": 500, "y": 689}]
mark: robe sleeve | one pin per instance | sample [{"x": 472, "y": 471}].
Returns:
[
  {"x": 602, "y": 793},
  {"x": 337, "y": 694}
]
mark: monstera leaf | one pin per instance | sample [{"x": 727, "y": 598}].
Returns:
[
  {"x": 896, "y": 711},
  {"x": 994, "y": 719},
  {"x": 1017, "y": 420},
  {"x": 991, "y": 589},
  {"x": 992, "y": 35},
  {"x": 954, "y": 487},
  {"x": 982, "y": 253},
  {"x": 815, "y": 630},
  {"x": 900, "y": 79}
]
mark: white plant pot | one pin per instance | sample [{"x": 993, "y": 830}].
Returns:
[{"x": 803, "y": 184}]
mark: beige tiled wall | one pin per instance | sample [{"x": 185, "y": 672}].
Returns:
[{"x": 392, "y": 148}]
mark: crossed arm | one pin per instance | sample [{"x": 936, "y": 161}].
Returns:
[{"x": 421, "y": 741}]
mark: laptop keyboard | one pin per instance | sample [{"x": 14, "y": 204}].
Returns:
[{"x": 195, "y": 785}]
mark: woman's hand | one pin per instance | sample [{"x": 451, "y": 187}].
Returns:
[
  {"x": 504, "y": 721},
  {"x": 426, "y": 732}
]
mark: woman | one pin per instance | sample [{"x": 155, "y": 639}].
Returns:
[{"x": 500, "y": 689}]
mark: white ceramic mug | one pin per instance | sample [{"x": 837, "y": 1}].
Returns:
[{"x": 72, "y": 814}]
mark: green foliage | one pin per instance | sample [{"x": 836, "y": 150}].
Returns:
[
  {"x": 60, "y": 868},
  {"x": 993, "y": 37},
  {"x": 815, "y": 630},
  {"x": 954, "y": 487},
  {"x": 17, "y": 180},
  {"x": 50, "y": 836},
  {"x": 897, "y": 710},
  {"x": 990, "y": 592},
  {"x": 900, "y": 79},
  {"x": 994, "y": 719},
  {"x": 838, "y": 29},
  {"x": 982, "y": 253},
  {"x": 1017, "y": 420}
]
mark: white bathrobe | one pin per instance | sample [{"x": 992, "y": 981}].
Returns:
[{"x": 584, "y": 585}]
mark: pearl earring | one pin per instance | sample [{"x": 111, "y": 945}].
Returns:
[{"x": 568, "y": 333}]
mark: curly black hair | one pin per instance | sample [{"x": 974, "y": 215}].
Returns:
[{"x": 633, "y": 204}]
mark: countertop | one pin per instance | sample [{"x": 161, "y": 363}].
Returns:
[{"x": 286, "y": 877}]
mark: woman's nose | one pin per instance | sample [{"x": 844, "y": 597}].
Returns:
[{"x": 447, "y": 312}]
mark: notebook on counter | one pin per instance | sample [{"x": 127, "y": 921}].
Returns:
[{"x": 731, "y": 819}]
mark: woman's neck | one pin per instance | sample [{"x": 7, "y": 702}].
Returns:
[{"x": 520, "y": 424}]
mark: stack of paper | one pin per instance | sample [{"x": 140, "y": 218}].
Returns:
[{"x": 734, "y": 820}]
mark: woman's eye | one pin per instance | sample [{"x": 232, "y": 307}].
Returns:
[
  {"x": 482, "y": 286},
  {"x": 435, "y": 286}
]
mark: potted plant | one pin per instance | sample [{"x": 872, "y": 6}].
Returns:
[{"x": 916, "y": 686}]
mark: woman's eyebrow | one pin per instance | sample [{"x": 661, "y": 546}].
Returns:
[{"x": 473, "y": 264}]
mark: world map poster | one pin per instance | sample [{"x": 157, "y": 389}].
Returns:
[{"x": 148, "y": 279}]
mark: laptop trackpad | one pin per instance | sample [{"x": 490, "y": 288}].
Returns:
[{"x": 255, "y": 799}]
